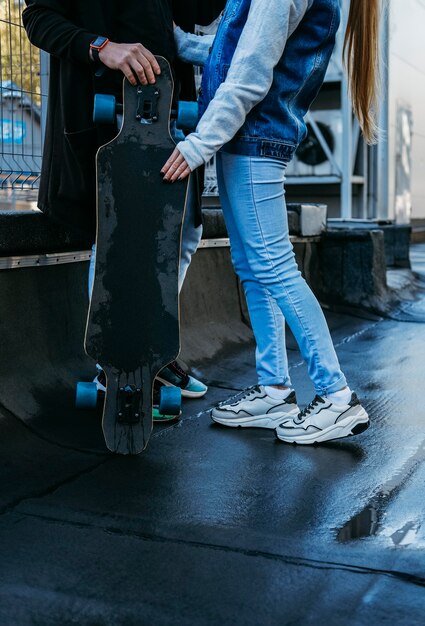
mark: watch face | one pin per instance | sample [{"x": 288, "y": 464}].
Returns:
[{"x": 99, "y": 42}]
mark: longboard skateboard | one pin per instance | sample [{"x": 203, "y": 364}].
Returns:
[{"x": 133, "y": 321}]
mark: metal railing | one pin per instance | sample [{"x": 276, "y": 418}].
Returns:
[{"x": 23, "y": 102}]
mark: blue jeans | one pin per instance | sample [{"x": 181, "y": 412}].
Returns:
[
  {"x": 253, "y": 201},
  {"x": 191, "y": 235}
]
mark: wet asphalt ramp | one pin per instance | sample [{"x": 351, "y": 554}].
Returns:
[
  {"x": 213, "y": 526},
  {"x": 210, "y": 525},
  {"x": 43, "y": 312}
]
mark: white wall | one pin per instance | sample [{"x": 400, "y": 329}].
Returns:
[{"x": 407, "y": 86}]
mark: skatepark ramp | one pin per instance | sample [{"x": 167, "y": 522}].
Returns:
[{"x": 43, "y": 308}]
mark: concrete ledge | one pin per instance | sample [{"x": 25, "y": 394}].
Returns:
[
  {"x": 305, "y": 220},
  {"x": 30, "y": 232}
]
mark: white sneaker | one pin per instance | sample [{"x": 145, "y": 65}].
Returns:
[
  {"x": 322, "y": 420},
  {"x": 255, "y": 409}
]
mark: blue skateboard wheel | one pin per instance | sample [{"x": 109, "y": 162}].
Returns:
[
  {"x": 104, "y": 109},
  {"x": 86, "y": 396},
  {"x": 187, "y": 117},
  {"x": 170, "y": 400}
]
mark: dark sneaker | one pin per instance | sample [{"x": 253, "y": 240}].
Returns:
[
  {"x": 322, "y": 420},
  {"x": 157, "y": 417},
  {"x": 174, "y": 375},
  {"x": 100, "y": 380},
  {"x": 255, "y": 409}
]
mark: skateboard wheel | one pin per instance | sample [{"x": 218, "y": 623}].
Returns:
[
  {"x": 104, "y": 109},
  {"x": 170, "y": 400},
  {"x": 86, "y": 396},
  {"x": 187, "y": 117}
]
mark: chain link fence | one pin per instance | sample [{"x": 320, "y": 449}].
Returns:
[{"x": 23, "y": 103}]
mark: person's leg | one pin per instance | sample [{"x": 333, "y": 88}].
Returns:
[
  {"x": 268, "y": 323},
  {"x": 191, "y": 234},
  {"x": 91, "y": 269},
  {"x": 255, "y": 188},
  {"x": 263, "y": 406},
  {"x": 174, "y": 374}
]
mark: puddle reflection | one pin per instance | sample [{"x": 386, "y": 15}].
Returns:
[
  {"x": 364, "y": 524},
  {"x": 367, "y": 522}
]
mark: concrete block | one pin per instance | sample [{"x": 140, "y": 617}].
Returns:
[
  {"x": 353, "y": 267},
  {"x": 397, "y": 237},
  {"x": 305, "y": 220},
  {"x": 214, "y": 225}
]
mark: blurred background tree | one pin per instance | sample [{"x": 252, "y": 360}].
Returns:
[{"x": 19, "y": 60}]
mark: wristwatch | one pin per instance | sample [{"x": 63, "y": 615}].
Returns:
[{"x": 96, "y": 46}]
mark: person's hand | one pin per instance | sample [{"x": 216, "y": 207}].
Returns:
[
  {"x": 176, "y": 168},
  {"x": 134, "y": 60}
]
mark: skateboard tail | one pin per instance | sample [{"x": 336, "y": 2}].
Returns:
[{"x": 127, "y": 413}]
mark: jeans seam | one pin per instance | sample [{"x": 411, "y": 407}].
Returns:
[
  {"x": 279, "y": 347},
  {"x": 313, "y": 350}
]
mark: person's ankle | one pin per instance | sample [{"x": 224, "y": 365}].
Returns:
[
  {"x": 342, "y": 396},
  {"x": 278, "y": 392}
]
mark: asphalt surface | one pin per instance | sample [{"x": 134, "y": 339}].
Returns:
[{"x": 218, "y": 526}]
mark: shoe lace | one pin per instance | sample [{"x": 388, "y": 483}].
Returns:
[
  {"x": 249, "y": 392},
  {"x": 310, "y": 407}
]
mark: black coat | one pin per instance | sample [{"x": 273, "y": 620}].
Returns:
[{"x": 65, "y": 29}]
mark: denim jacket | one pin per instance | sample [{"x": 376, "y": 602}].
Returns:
[{"x": 266, "y": 65}]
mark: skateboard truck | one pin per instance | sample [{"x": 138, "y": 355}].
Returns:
[
  {"x": 147, "y": 104},
  {"x": 106, "y": 109},
  {"x": 129, "y": 399}
]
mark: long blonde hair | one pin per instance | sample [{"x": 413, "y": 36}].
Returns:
[{"x": 361, "y": 54}]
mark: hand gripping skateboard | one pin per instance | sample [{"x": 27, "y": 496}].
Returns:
[{"x": 133, "y": 321}]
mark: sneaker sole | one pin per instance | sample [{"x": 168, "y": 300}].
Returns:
[
  {"x": 185, "y": 392},
  {"x": 354, "y": 425},
  {"x": 263, "y": 421},
  {"x": 166, "y": 419}
]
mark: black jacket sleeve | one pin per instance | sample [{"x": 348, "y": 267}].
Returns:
[{"x": 49, "y": 26}]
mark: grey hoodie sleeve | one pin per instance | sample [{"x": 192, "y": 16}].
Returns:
[
  {"x": 269, "y": 25},
  {"x": 192, "y": 48}
]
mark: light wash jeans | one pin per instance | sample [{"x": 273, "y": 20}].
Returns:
[
  {"x": 191, "y": 235},
  {"x": 252, "y": 197}
]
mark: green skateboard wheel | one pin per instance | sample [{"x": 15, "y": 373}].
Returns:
[
  {"x": 104, "y": 109},
  {"x": 187, "y": 117},
  {"x": 86, "y": 396},
  {"x": 170, "y": 400}
]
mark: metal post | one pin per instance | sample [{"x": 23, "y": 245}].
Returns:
[
  {"x": 382, "y": 175},
  {"x": 347, "y": 140},
  {"x": 347, "y": 152}
]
